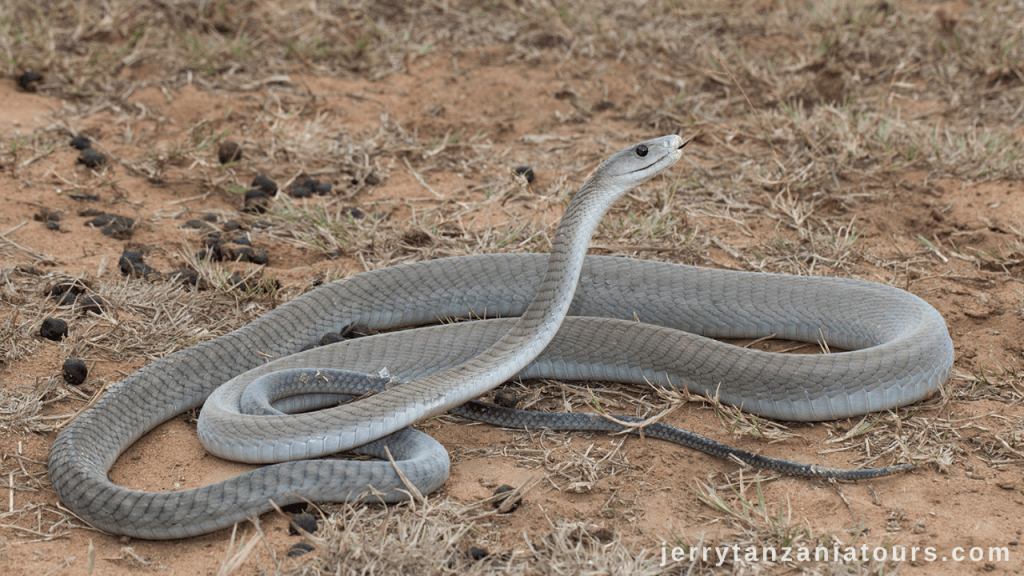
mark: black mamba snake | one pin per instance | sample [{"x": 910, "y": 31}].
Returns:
[{"x": 900, "y": 351}]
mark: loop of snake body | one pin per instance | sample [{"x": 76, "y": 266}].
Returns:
[{"x": 628, "y": 321}]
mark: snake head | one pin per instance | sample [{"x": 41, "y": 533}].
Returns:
[{"x": 643, "y": 161}]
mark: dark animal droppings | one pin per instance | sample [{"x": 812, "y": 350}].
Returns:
[
  {"x": 305, "y": 522},
  {"x": 91, "y": 158},
  {"x": 526, "y": 172},
  {"x": 265, "y": 184},
  {"x": 74, "y": 371},
  {"x": 229, "y": 152},
  {"x": 54, "y": 329},
  {"x": 90, "y": 304},
  {"x": 131, "y": 264},
  {"x": 300, "y": 191},
  {"x": 300, "y": 549},
  {"x": 260, "y": 257},
  {"x": 29, "y": 80},
  {"x": 62, "y": 289},
  {"x": 477, "y": 553},
  {"x": 236, "y": 281},
  {"x": 507, "y": 400},
  {"x": 114, "y": 225},
  {"x": 503, "y": 489},
  {"x": 46, "y": 216},
  {"x": 330, "y": 338},
  {"x": 80, "y": 142},
  {"x": 68, "y": 298},
  {"x": 255, "y": 201},
  {"x": 186, "y": 277}
]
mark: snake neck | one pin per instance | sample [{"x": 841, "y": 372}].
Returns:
[{"x": 541, "y": 320}]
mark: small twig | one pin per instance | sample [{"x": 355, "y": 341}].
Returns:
[
  {"x": 421, "y": 180},
  {"x": 413, "y": 490}
]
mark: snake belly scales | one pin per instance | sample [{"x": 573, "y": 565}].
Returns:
[{"x": 626, "y": 321}]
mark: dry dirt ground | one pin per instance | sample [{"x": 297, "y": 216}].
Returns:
[{"x": 877, "y": 140}]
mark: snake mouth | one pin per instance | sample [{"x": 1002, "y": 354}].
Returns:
[{"x": 683, "y": 145}]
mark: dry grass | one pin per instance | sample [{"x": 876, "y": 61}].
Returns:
[{"x": 805, "y": 111}]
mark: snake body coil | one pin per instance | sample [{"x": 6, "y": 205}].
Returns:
[{"x": 900, "y": 352}]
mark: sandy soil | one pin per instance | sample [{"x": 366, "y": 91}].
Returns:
[{"x": 530, "y": 114}]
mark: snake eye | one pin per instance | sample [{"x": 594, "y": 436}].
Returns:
[{"x": 641, "y": 150}]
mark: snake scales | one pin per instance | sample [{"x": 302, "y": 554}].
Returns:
[{"x": 900, "y": 351}]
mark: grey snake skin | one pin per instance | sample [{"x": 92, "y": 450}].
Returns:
[{"x": 899, "y": 352}]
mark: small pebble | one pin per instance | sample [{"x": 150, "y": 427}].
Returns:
[
  {"x": 54, "y": 329},
  {"x": 526, "y": 172},
  {"x": 305, "y": 522},
  {"x": 265, "y": 184},
  {"x": 229, "y": 152},
  {"x": 74, "y": 371},
  {"x": 29, "y": 81},
  {"x": 477, "y": 553},
  {"x": 300, "y": 549},
  {"x": 81, "y": 142},
  {"x": 503, "y": 489},
  {"x": 91, "y": 158}
]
